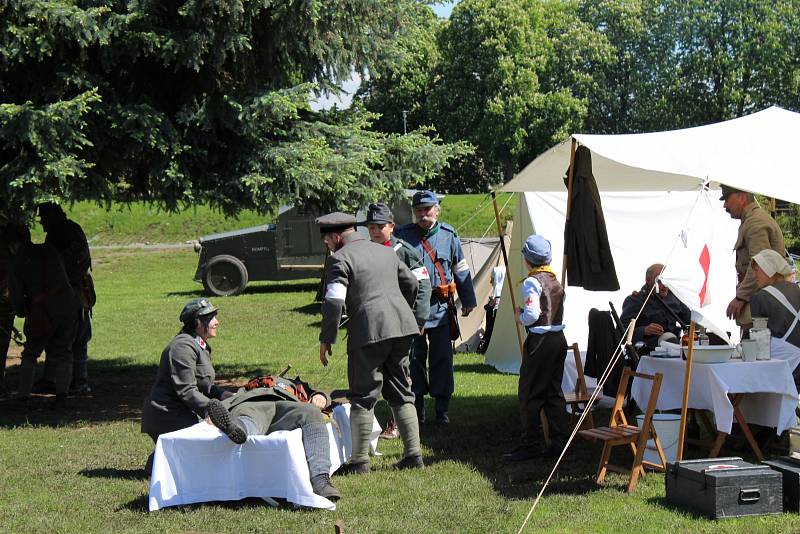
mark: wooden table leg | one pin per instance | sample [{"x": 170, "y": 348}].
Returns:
[
  {"x": 717, "y": 444},
  {"x": 737, "y": 399}
]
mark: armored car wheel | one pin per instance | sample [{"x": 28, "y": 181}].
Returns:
[{"x": 224, "y": 275}]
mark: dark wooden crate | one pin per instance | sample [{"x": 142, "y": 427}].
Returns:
[
  {"x": 790, "y": 469},
  {"x": 724, "y": 487}
]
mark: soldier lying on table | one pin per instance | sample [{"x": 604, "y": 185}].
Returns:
[{"x": 267, "y": 404}]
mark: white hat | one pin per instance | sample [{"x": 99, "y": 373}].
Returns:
[{"x": 771, "y": 262}]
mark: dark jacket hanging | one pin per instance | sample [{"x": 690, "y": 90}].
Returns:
[{"x": 589, "y": 261}]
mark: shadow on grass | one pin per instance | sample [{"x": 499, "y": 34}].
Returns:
[
  {"x": 312, "y": 308},
  {"x": 300, "y": 286},
  {"x": 483, "y": 428},
  {"x": 119, "y": 387},
  {"x": 479, "y": 368},
  {"x": 115, "y": 473}
]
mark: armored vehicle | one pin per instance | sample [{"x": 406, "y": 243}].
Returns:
[{"x": 288, "y": 250}]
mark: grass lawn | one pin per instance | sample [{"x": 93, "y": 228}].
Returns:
[
  {"x": 143, "y": 223},
  {"x": 82, "y": 471}
]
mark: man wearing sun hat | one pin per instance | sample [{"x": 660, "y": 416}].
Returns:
[{"x": 757, "y": 231}]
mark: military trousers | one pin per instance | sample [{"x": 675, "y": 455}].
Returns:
[
  {"x": 58, "y": 345},
  {"x": 80, "y": 352},
  {"x": 380, "y": 368},
  {"x": 432, "y": 365},
  {"x": 271, "y": 416},
  {"x": 540, "y": 387}
]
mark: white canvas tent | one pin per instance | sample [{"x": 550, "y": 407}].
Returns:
[{"x": 650, "y": 187}]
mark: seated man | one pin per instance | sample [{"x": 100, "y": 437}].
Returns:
[
  {"x": 267, "y": 404},
  {"x": 660, "y": 312}
]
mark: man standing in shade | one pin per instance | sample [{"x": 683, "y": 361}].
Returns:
[
  {"x": 380, "y": 224},
  {"x": 378, "y": 291},
  {"x": 68, "y": 238},
  {"x": 757, "y": 231},
  {"x": 432, "y": 353}
]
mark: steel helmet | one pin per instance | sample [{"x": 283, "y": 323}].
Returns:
[{"x": 196, "y": 308}]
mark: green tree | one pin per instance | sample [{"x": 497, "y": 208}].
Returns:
[
  {"x": 180, "y": 102},
  {"x": 515, "y": 76},
  {"x": 686, "y": 63},
  {"x": 399, "y": 88}
]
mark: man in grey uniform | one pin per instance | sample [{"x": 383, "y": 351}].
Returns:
[{"x": 378, "y": 290}]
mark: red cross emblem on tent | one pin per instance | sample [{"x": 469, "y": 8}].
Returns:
[{"x": 705, "y": 262}]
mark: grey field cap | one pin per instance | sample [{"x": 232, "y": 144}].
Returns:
[
  {"x": 335, "y": 222},
  {"x": 378, "y": 213}
]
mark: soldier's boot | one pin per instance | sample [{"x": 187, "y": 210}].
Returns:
[
  {"x": 318, "y": 456},
  {"x": 236, "y": 428},
  {"x": 360, "y": 431},
  {"x": 442, "y": 407},
  {"x": 406, "y": 417}
]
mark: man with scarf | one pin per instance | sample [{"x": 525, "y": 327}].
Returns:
[
  {"x": 432, "y": 353},
  {"x": 545, "y": 349}
]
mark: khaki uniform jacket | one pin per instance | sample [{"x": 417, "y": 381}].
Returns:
[
  {"x": 757, "y": 231},
  {"x": 377, "y": 289}
]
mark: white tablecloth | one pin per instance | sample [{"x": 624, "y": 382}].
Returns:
[
  {"x": 200, "y": 464},
  {"x": 771, "y": 400}
]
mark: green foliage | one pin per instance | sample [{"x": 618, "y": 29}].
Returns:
[
  {"x": 181, "y": 103},
  {"x": 687, "y": 63}
]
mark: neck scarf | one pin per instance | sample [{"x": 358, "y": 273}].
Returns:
[{"x": 538, "y": 269}]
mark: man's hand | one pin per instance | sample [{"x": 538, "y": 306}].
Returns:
[
  {"x": 324, "y": 349},
  {"x": 735, "y": 308},
  {"x": 421, "y": 330},
  {"x": 318, "y": 400},
  {"x": 653, "y": 329},
  {"x": 466, "y": 310}
]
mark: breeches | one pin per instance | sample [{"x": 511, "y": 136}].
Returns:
[
  {"x": 380, "y": 368},
  {"x": 271, "y": 416}
]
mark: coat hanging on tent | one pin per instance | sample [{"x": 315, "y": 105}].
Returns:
[{"x": 589, "y": 261}]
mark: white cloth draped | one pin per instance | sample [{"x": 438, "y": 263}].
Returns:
[
  {"x": 771, "y": 400},
  {"x": 200, "y": 464}
]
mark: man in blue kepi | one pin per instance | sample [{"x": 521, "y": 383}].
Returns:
[{"x": 432, "y": 352}]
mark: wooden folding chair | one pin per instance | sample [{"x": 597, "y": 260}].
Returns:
[
  {"x": 619, "y": 432},
  {"x": 580, "y": 397}
]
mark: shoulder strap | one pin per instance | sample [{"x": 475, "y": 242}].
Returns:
[
  {"x": 780, "y": 297},
  {"x": 436, "y": 262}
]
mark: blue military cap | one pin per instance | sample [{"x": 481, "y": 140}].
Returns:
[
  {"x": 424, "y": 199},
  {"x": 537, "y": 250},
  {"x": 335, "y": 222}
]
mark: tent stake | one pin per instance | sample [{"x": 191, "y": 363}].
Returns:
[
  {"x": 508, "y": 272},
  {"x": 570, "y": 175},
  {"x": 686, "y": 381}
]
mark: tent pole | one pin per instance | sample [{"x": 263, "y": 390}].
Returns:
[
  {"x": 570, "y": 175},
  {"x": 508, "y": 271},
  {"x": 686, "y": 381}
]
